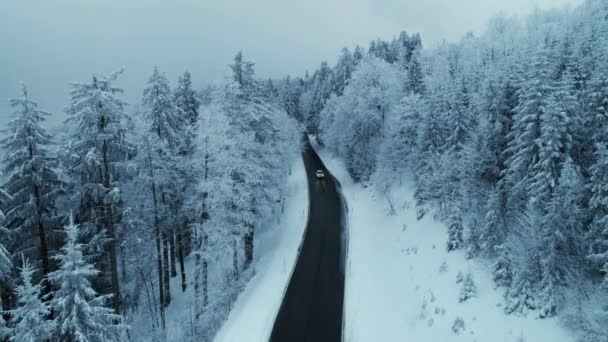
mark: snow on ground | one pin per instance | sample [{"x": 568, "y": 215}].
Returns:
[
  {"x": 254, "y": 313},
  {"x": 401, "y": 282}
]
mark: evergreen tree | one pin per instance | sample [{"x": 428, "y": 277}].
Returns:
[
  {"x": 561, "y": 247},
  {"x": 5, "y": 264},
  {"x": 29, "y": 318},
  {"x": 97, "y": 159},
  {"x": 80, "y": 313},
  {"x": 165, "y": 118},
  {"x": 32, "y": 182},
  {"x": 598, "y": 235},
  {"x": 342, "y": 72},
  {"x": 524, "y": 145},
  {"x": 186, "y": 99},
  {"x": 555, "y": 143}
]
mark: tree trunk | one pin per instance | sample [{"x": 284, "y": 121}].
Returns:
[
  {"x": 109, "y": 218},
  {"x": 197, "y": 278},
  {"x": 248, "y": 239},
  {"x": 159, "y": 261},
  {"x": 235, "y": 261},
  {"x": 166, "y": 273},
  {"x": 180, "y": 254},
  {"x": 173, "y": 251},
  {"x": 205, "y": 275},
  {"x": 44, "y": 250}
]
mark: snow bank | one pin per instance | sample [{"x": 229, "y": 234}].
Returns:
[
  {"x": 254, "y": 313},
  {"x": 401, "y": 284}
]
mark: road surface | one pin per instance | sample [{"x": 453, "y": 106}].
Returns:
[{"x": 312, "y": 307}]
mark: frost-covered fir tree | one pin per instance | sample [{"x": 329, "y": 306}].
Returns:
[
  {"x": 29, "y": 320},
  {"x": 5, "y": 263},
  {"x": 186, "y": 99},
  {"x": 5, "y": 259},
  {"x": 81, "y": 313},
  {"x": 165, "y": 118},
  {"x": 555, "y": 142},
  {"x": 598, "y": 236},
  {"x": 524, "y": 146},
  {"x": 561, "y": 250},
  {"x": 526, "y": 271},
  {"x": 32, "y": 182},
  {"x": 98, "y": 156},
  {"x": 342, "y": 71}
]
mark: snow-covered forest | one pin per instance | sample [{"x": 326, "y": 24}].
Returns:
[
  {"x": 130, "y": 208},
  {"x": 99, "y": 220},
  {"x": 504, "y": 135}
]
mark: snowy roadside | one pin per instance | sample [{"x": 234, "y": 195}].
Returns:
[
  {"x": 402, "y": 284},
  {"x": 254, "y": 312}
]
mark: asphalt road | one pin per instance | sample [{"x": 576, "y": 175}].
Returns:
[{"x": 312, "y": 307}]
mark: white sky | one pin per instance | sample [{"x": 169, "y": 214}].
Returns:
[{"x": 50, "y": 43}]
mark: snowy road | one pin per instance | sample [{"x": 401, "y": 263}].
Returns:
[{"x": 313, "y": 304}]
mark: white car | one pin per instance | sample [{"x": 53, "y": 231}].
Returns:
[{"x": 320, "y": 174}]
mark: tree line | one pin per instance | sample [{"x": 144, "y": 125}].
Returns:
[
  {"x": 99, "y": 219},
  {"x": 504, "y": 137}
]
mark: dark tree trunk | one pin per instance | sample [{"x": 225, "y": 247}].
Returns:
[
  {"x": 248, "y": 242},
  {"x": 166, "y": 273},
  {"x": 109, "y": 219},
  {"x": 180, "y": 254},
  {"x": 159, "y": 260},
  {"x": 235, "y": 260},
  {"x": 44, "y": 249},
  {"x": 173, "y": 251}
]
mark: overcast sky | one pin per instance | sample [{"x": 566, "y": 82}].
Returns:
[{"x": 50, "y": 43}]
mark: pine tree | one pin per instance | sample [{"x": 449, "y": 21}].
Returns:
[
  {"x": 32, "y": 183},
  {"x": 598, "y": 235},
  {"x": 80, "y": 313},
  {"x": 555, "y": 143},
  {"x": 5, "y": 264},
  {"x": 29, "y": 318},
  {"x": 186, "y": 99},
  {"x": 342, "y": 72},
  {"x": 561, "y": 247},
  {"x": 5, "y": 259},
  {"x": 455, "y": 229},
  {"x": 524, "y": 139},
  {"x": 97, "y": 158},
  {"x": 165, "y": 118},
  {"x": 243, "y": 76}
]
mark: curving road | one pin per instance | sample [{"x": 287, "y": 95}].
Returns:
[{"x": 312, "y": 306}]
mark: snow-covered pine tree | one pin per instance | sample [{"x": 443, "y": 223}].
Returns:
[
  {"x": 555, "y": 142},
  {"x": 32, "y": 183},
  {"x": 321, "y": 91},
  {"x": 97, "y": 159},
  {"x": 342, "y": 72},
  {"x": 289, "y": 98},
  {"x": 243, "y": 75},
  {"x": 561, "y": 250},
  {"x": 526, "y": 271},
  {"x": 5, "y": 264},
  {"x": 167, "y": 124},
  {"x": 165, "y": 118},
  {"x": 80, "y": 312},
  {"x": 5, "y": 258},
  {"x": 598, "y": 235},
  {"x": 29, "y": 320},
  {"x": 186, "y": 99},
  {"x": 524, "y": 146}
]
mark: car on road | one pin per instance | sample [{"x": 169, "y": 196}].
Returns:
[{"x": 320, "y": 174}]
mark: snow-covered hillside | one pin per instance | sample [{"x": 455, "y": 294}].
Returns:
[
  {"x": 253, "y": 315},
  {"x": 402, "y": 284}
]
